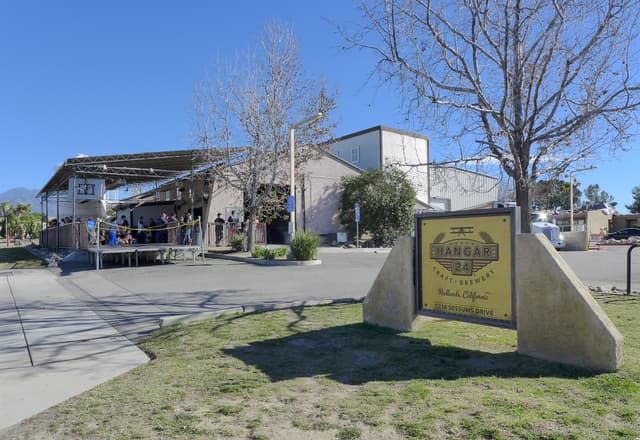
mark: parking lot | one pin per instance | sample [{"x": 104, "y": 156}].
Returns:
[{"x": 606, "y": 267}]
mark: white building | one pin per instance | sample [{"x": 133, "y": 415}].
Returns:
[{"x": 441, "y": 188}]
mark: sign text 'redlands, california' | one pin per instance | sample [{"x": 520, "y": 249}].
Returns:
[{"x": 465, "y": 266}]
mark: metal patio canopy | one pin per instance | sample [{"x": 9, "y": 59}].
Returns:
[{"x": 122, "y": 169}]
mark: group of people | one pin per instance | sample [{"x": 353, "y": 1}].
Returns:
[
  {"x": 234, "y": 226},
  {"x": 164, "y": 229},
  {"x": 63, "y": 221}
]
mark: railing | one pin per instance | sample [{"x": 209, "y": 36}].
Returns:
[
  {"x": 632, "y": 247},
  {"x": 170, "y": 233},
  {"x": 65, "y": 237},
  {"x": 221, "y": 234}
]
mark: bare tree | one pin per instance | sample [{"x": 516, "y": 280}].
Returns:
[
  {"x": 244, "y": 110},
  {"x": 534, "y": 85}
]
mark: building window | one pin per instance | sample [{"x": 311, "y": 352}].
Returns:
[
  {"x": 167, "y": 195},
  {"x": 355, "y": 155},
  {"x": 86, "y": 189}
]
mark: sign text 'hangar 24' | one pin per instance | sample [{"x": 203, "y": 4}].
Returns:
[{"x": 465, "y": 265}]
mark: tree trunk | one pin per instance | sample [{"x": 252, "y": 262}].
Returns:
[
  {"x": 522, "y": 198},
  {"x": 251, "y": 230}
]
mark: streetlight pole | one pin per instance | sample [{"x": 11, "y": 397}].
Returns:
[
  {"x": 292, "y": 168},
  {"x": 571, "y": 173}
]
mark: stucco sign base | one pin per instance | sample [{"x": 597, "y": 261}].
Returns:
[
  {"x": 391, "y": 300},
  {"x": 557, "y": 318}
]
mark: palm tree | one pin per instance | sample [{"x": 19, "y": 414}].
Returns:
[
  {"x": 5, "y": 213},
  {"x": 21, "y": 212}
]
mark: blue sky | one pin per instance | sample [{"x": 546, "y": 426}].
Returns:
[{"x": 117, "y": 77}]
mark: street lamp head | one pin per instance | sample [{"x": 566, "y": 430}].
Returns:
[
  {"x": 592, "y": 167},
  {"x": 308, "y": 120}
]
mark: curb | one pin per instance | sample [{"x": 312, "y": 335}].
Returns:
[
  {"x": 618, "y": 244},
  {"x": 262, "y": 262},
  {"x": 354, "y": 250},
  {"x": 254, "y": 308}
]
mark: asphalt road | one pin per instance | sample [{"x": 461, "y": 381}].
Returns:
[
  {"x": 606, "y": 268},
  {"x": 134, "y": 300}
]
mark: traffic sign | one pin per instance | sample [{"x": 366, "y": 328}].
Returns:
[{"x": 291, "y": 203}]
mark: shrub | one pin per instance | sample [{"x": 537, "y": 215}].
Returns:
[
  {"x": 239, "y": 243},
  {"x": 267, "y": 253},
  {"x": 304, "y": 245},
  {"x": 281, "y": 252},
  {"x": 258, "y": 252}
]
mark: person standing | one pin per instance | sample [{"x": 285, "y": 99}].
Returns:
[
  {"x": 173, "y": 226},
  {"x": 233, "y": 225},
  {"x": 113, "y": 233},
  {"x": 163, "y": 221},
  {"x": 124, "y": 229},
  {"x": 91, "y": 224},
  {"x": 141, "y": 234},
  {"x": 219, "y": 228},
  {"x": 186, "y": 239}
]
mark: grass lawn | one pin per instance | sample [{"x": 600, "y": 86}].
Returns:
[
  {"x": 18, "y": 258},
  {"x": 319, "y": 373}
]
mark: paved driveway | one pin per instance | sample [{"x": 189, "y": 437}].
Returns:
[
  {"x": 135, "y": 300},
  {"x": 52, "y": 346}
]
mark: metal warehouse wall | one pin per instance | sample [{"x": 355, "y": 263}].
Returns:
[{"x": 465, "y": 189}]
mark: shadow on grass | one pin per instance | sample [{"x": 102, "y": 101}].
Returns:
[{"x": 359, "y": 353}]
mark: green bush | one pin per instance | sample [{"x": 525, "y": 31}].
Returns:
[
  {"x": 281, "y": 252},
  {"x": 267, "y": 253},
  {"x": 258, "y": 252},
  {"x": 304, "y": 245},
  {"x": 239, "y": 243}
]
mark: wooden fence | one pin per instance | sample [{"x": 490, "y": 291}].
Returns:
[
  {"x": 230, "y": 230},
  {"x": 68, "y": 236}
]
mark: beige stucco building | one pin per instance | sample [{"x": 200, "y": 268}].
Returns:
[{"x": 182, "y": 182}]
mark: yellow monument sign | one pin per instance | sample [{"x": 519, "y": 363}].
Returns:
[{"x": 465, "y": 266}]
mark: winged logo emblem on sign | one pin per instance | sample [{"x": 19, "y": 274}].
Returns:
[{"x": 463, "y": 256}]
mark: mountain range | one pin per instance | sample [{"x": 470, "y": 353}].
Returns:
[{"x": 21, "y": 195}]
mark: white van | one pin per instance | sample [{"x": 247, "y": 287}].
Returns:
[{"x": 551, "y": 231}]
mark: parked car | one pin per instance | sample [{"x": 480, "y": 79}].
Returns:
[{"x": 624, "y": 233}]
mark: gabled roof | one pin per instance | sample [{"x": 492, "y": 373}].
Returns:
[{"x": 379, "y": 128}]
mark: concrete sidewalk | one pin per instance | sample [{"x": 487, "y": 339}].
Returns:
[
  {"x": 78, "y": 324},
  {"x": 52, "y": 345}
]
